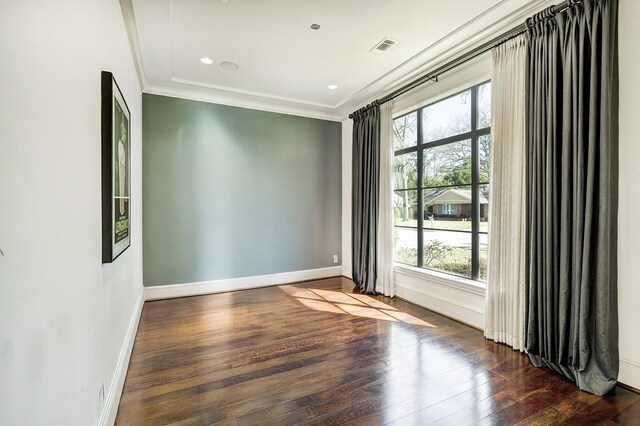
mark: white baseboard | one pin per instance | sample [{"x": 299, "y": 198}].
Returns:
[
  {"x": 464, "y": 303},
  {"x": 233, "y": 284},
  {"x": 346, "y": 272},
  {"x": 112, "y": 401},
  {"x": 629, "y": 372},
  {"x": 450, "y": 308}
]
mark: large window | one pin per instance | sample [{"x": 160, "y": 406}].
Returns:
[{"x": 441, "y": 174}]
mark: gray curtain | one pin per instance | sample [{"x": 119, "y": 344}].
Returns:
[
  {"x": 572, "y": 186},
  {"x": 365, "y": 197}
]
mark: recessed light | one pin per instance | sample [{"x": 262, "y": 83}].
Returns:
[
  {"x": 207, "y": 61},
  {"x": 315, "y": 26},
  {"x": 232, "y": 66},
  {"x": 224, "y": 1},
  {"x": 332, "y": 86}
]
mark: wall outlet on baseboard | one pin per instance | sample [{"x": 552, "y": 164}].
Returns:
[{"x": 335, "y": 258}]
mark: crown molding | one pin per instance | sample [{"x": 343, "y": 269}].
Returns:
[
  {"x": 235, "y": 92},
  {"x": 454, "y": 44},
  {"x": 237, "y": 101},
  {"x": 134, "y": 41}
]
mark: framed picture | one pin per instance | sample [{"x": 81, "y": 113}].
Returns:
[{"x": 116, "y": 170}]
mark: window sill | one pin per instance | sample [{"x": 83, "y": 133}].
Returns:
[{"x": 452, "y": 281}]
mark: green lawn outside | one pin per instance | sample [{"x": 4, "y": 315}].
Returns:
[
  {"x": 456, "y": 261},
  {"x": 455, "y": 225}
]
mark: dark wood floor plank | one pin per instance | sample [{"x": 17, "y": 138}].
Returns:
[
  {"x": 274, "y": 411},
  {"x": 479, "y": 410},
  {"x": 318, "y": 353},
  {"x": 617, "y": 402},
  {"x": 630, "y": 416},
  {"x": 293, "y": 392}
]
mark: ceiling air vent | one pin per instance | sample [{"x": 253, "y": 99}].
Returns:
[{"x": 383, "y": 46}]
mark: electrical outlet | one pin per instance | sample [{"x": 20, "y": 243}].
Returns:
[
  {"x": 335, "y": 258},
  {"x": 100, "y": 400}
]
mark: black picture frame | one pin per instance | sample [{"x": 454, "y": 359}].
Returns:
[{"x": 116, "y": 170}]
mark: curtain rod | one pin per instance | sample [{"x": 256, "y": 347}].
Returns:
[{"x": 485, "y": 47}]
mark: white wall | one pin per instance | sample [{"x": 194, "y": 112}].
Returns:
[
  {"x": 63, "y": 315},
  {"x": 347, "y": 138},
  {"x": 629, "y": 202}
]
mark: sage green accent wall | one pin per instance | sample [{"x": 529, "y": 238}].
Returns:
[{"x": 232, "y": 192}]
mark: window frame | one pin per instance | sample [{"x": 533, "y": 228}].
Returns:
[{"x": 419, "y": 149}]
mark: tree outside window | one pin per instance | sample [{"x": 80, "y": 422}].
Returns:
[{"x": 441, "y": 175}]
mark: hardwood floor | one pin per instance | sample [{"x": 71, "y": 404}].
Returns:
[{"x": 315, "y": 353}]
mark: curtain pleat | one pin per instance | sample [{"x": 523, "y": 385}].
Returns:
[
  {"x": 384, "y": 279},
  {"x": 505, "y": 300},
  {"x": 572, "y": 169},
  {"x": 365, "y": 197}
]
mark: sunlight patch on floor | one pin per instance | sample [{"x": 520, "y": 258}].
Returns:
[
  {"x": 359, "y": 305},
  {"x": 337, "y": 297},
  {"x": 321, "y": 306}
]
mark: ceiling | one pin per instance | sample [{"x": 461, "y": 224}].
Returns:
[{"x": 286, "y": 66}]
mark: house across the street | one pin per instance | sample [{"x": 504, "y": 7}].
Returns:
[{"x": 454, "y": 203}]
